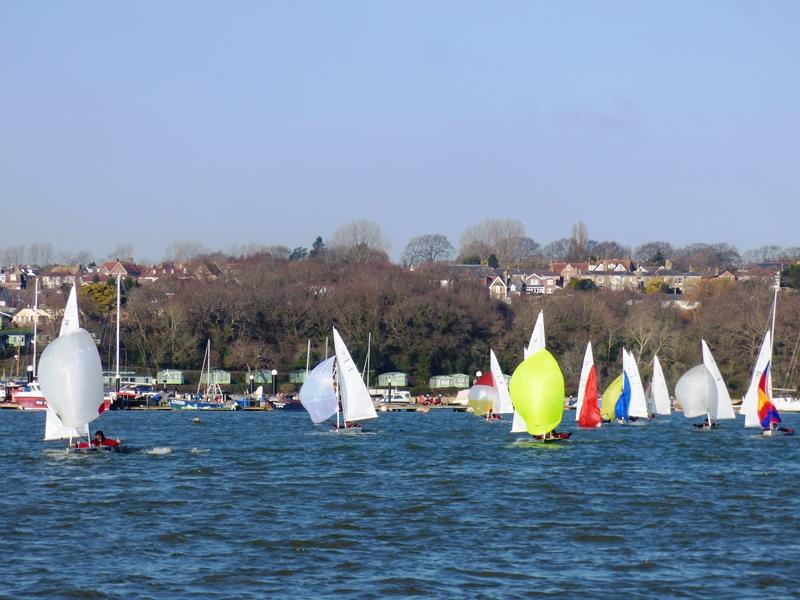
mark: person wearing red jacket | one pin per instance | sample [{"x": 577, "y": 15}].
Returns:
[{"x": 100, "y": 440}]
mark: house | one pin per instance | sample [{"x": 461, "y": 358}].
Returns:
[
  {"x": 218, "y": 376},
  {"x": 459, "y": 380},
  {"x": 13, "y": 277},
  {"x": 568, "y": 271},
  {"x": 116, "y": 267},
  {"x": 545, "y": 282},
  {"x": 56, "y": 276},
  {"x": 498, "y": 289},
  {"x": 26, "y": 316},
  {"x": 170, "y": 377},
  {"x": 395, "y": 379},
  {"x": 760, "y": 271},
  {"x": 440, "y": 381},
  {"x": 297, "y": 376}
]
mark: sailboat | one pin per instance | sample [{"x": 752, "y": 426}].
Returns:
[
  {"x": 757, "y": 405},
  {"x": 482, "y": 396},
  {"x": 702, "y": 391},
  {"x": 658, "y": 402},
  {"x": 537, "y": 392},
  {"x": 72, "y": 379},
  {"x": 212, "y": 398},
  {"x": 587, "y": 411},
  {"x": 336, "y": 383},
  {"x": 535, "y": 344},
  {"x": 638, "y": 403},
  {"x": 612, "y": 396},
  {"x": 489, "y": 397},
  {"x": 30, "y": 396}
]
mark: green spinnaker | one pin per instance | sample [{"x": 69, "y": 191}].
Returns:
[
  {"x": 610, "y": 397},
  {"x": 537, "y": 392}
]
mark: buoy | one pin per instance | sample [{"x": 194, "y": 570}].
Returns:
[{"x": 196, "y": 420}]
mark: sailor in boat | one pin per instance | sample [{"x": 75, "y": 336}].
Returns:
[
  {"x": 707, "y": 424},
  {"x": 100, "y": 441},
  {"x": 553, "y": 435}
]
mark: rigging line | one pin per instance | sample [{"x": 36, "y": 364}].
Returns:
[
  {"x": 143, "y": 343},
  {"x": 790, "y": 368}
]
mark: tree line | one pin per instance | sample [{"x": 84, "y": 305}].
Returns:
[{"x": 262, "y": 315}]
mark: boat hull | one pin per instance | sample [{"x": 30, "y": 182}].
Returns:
[
  {"x": 787, "y": 404},
  {"x": 29, "y": 401}
]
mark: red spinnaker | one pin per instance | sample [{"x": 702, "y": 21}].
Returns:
[{"x": 590, "y": 410}]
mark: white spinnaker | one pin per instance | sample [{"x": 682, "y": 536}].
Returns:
[
  {"x": 317, "y": 394},
  {"x": 588, "y": 363},
  {"x": 536, "y": 342},
  {"x": 692, "y": 391},
  {"x": 54, "y": 429},
  {"x": 638, "y": 405},
  {"x": 659, "y": 390},
  {"x": 750, "y": 402},
  {"x": 72, "y": 378},
  {"x": 356, "y": 401},
  {"x": 722, "y": 408},
  {"x": 504, "y": 405}
]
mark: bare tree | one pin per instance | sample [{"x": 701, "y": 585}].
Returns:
[
  {"x": 14, "y": 255},
  {"x": 427, "y": 248},
  {"x": 183, "y": 251},
  {"x": 79, "y": 257},
  {"x": 40, "y": 254},
  {"x": 653, "y": 253},
  {"x": 763, "y": 254},
  {"x": 498, "y": 236},
  {"x": 122, "y": 252},
  {"x": 557, "y": 251},
  {"x": 359, "y": 240},
  {"x": 609, "y": 249},
  {"x": 579, "y": 242}
]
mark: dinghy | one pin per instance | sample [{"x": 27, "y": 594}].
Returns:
[
  {"x": 535, "y": 344},
  {"x": 701, "y": 391},
  {"x": 587, "y": 410},
  {"x": 537, "y": 393},
  {"x": 658, "y": 403},
  {"x": 71, "y": 377},
  {"x": 335, "y": 386}
]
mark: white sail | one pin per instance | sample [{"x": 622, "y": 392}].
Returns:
[
  {"x": 54, "y": 429},
  {"x": 504, "y": 405},
  {"x": 721, "y": 407},
  {"x": 317, "y": 394},
  {"x": 658, "y": 390},
  {"x": 356, "y": 401},
  {"x": 693, "y": 390},
  {"x": 588, "y": 363},
  {"x": 638, "y": 405},
  {"x": 72, "y": 378},
  {"x": 518, "y": 424},
  {"x": 70, "y": 323},
  {"x": 536, "y": 342},
  {"x": 750, "y": 402}
]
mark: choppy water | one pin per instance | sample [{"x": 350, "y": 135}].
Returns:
[{"x": 252, "y": 505}]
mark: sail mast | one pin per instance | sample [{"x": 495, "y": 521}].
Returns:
[
  {"x": 308, "y": 357},
  {"x": 365, "y": 373},
  {"x": 116, "y": 375},
  {"x": 35, "y": 324}
]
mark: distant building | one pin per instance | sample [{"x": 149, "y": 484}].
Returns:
[
  {"x": 171, "y": 377},
  {"x": 397, "y": 379},
  {"x": 218, "y": 376}
]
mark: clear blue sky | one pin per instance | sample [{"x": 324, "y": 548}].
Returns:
[{"x": 275, "y": 122}]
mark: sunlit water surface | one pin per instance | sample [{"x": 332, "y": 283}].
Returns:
[{"x": 446, "y": 505}]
